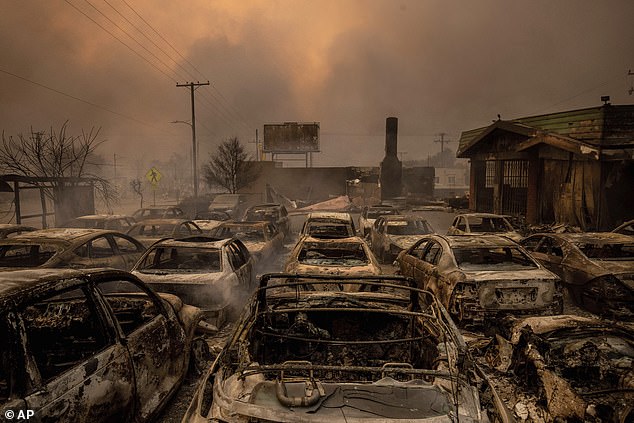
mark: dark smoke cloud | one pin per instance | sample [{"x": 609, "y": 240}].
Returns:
[{"x": 439, "y": 66}]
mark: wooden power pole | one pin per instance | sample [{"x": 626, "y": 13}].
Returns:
[{"x": 192, "y": 86}]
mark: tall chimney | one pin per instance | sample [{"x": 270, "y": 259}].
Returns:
[{"x": 391, "y": 166}]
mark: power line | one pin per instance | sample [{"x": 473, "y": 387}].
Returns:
[
  {"x": 82, "y": 100},
  {"x": 230, "y": 106},
  {"x": 131, "y": 37},
  {"x": 118, "y": 39}
]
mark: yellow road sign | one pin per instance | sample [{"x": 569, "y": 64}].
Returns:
[{"x": 153, "y": 175}]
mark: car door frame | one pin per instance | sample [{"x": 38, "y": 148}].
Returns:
[
  {"x": 89, "y": 369},
  {"x": 174, "y": 339}
]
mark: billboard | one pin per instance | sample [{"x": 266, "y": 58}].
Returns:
[{"x": 291, "y": 137}]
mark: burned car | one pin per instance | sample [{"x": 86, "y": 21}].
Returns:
[
  {"x": 342, "y": 256},
  {"x": 8, "y": 230},
  {"x": 311, "y": 355},
  {"x": 577, "y": 368},
  {"x": 90, "y": 346},
  {"x": 262, "y": 239},
  {"x": 271, "y": 212},
  {"x": 209, "y": 220},
  {"x": 328, "y": 225},
  {"x": 481, "y": 277},
  {"x": 392, "y": 234},
  {"x": 596, "y": 267},
  {"x": 214, "y": 275},
  {"x": 164, "y": 212},
  {"x": 626, "y": 228},
  {"x": 73, "y": 248},
  {"x": 483, "y": 223},
  {"x": 370, "y": 213},
  {"x": 114, "y": 222},
  {"x": 151, "y": 230}
]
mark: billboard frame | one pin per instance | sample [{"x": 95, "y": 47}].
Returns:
[{"x": 307, "y": 142}]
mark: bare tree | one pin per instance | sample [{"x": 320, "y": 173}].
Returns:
[
  {"x": 137, "y": 187},
  {"x": 230, "y": 167},
  {"x": 55, "y": 154}
]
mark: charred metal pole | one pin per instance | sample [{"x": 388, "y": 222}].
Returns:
[{"x": 192, "y": 86}]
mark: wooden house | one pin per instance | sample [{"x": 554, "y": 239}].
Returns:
[{"x": 574, "y": 167}]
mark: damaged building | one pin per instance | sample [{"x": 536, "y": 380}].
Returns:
[{"x": 574, "y": 167}]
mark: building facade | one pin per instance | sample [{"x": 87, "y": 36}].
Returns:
[{"x": 574, "y": 167}]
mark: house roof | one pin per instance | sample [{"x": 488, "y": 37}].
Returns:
[{"x": 583, "y": 131}]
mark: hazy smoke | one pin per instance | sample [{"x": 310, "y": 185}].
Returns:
[{"x": 437, "y": 66}]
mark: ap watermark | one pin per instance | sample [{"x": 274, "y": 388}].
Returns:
[{"x": 18, "y": 415}]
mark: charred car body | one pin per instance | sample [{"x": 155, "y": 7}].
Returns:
[
  {"x": 72, "y": 248},
  {"x": 262, "y": 239},
  {"x": 151, "y": 230},
  {"x": 370, "y": 213},
  {"x": 214, "y": 275},
  {"x": 341, "y": 256},
  {"x": 483, "y": 223},
  {"x": 166, "y": 212},
  {"x": 392, "y": 234},
  {"x": 597, "y": 268},
  {"x": 580, "y": 369},
  {"x": 479, "y": 277},
  {"x": 271, "y": 212},
  {"x": 328, "y": 225},
  {"x": 8, "y": 230},
  {"x": 312, "y": 355},
  {"x": 114, "y": 222},
  {"x": 94, "y": 346}
]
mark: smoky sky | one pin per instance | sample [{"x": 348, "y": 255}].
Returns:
[{"x": 439, "y": 66}]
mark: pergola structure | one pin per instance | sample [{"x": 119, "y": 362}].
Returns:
[{"x": 79, "y": 199}]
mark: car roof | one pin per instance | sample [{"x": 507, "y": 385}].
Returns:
[
  {"x": 594, "y": 237},
  {"x": 193, "y": 242},
  {"x": 477, "y": 241},
  {"x": 258, "y": 224},
  {"x": 265, "y": 206},
  {"x": 19, "y": 286},
  {"x": 329, "y": 215},
  {"x": 480, "y": 215},
  {"x": 381, "y": 206},
  {"x": 350, "y": 239},
  {"x": 59, "y": 235},
  {"x": 103, "y": 216},
  {"x": 402, "y": 217},
  {"x": 162, "y": 221}
]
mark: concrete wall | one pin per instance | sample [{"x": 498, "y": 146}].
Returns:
[{"x": 308, "y": 184}]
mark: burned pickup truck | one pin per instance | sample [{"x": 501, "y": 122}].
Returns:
[{"x": 303, "y": 354}]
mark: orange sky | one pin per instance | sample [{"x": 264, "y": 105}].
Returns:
[{"x": 440, "y": 66}]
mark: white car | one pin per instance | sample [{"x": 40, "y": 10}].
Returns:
[{"x": 216, "y": 276}]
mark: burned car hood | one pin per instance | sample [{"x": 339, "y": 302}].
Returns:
[
  {"x": 334, "y": 269},
  {"x": 404, "y": 241},
  {"x": 505, "y": 275},
  {"x": 179, "y": 277}
]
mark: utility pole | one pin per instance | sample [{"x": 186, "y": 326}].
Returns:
[
  {"x": 442, "y": 142},
  {"x": 192, "y": 86}
]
